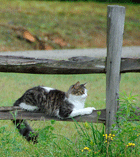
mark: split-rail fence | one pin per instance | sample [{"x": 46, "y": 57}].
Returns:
[{"x": 113, "y": 65}]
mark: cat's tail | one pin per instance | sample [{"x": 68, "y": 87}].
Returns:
[
  {"x": 25, "y": 130},
  {"x": 23, "y": 127}
]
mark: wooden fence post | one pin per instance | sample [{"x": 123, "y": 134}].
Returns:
[{"x": 115, "y": 28}]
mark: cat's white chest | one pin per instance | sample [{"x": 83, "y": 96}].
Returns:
[{"x": 77, "y": 101}]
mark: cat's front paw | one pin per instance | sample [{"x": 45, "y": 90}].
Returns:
[
  {"x": 92, "y": 108},
  {"x": 89, "y": 110}
]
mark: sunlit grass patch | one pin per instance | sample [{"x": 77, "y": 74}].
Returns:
[{"x": 82, "y": 25}]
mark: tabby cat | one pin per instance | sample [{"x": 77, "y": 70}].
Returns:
[{"x": 52, "y": 102}]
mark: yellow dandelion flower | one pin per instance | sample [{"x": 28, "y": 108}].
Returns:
[
  {"x": 86, "y": 148},
  {"x": 109, "y": 137},
  {"x": 106, "y": 136},
  {"x": 130, "y": 144}
]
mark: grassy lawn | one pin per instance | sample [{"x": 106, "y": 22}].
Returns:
[
  {"x": 13, "y": 85},
  {"x": 80, "y": 24}
]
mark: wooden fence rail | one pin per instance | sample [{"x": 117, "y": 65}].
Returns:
[
  {"x": 97, "y": 116},
  {"x": 7, "y": 113},
  {"x": 75, "y": 65}
]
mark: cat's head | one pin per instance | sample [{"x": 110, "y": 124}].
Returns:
[{"x": 78, "y": 90}]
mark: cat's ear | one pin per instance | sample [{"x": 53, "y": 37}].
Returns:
[
  {"x": 85, "y": 84},
  {"x": 77, "y": 85}
]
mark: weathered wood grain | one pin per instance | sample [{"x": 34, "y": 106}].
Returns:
[
  {"x": 7, "y": 113},
  {"x": 130, "y": 65},
  {"x": 75, "y": 65},
  {"x": 48, "y": 66},
  {"x": 115, "y": 28}
]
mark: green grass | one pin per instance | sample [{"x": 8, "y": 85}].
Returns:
[
  {"x": 13, "y": 86},
  {"x": 82, "y": 25}
]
